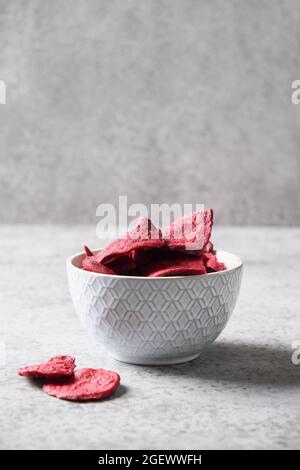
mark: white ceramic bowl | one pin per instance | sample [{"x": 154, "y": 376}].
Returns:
[{"x": 155, "y": 321}]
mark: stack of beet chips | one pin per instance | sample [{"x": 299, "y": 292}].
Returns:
[{"x": 181, "y": 249}]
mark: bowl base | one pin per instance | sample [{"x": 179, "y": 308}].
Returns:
[{"x": 144, "y": 361}]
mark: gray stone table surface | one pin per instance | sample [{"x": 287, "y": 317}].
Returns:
[{"x": 242, "y": 392}]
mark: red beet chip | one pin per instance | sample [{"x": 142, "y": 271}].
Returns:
[
  {"x": 84, "y": 384},
  {"x": 174, "y": 264},
  {"x": 190, "y": 233},
  {"x": 212, "y": 264},
  {"x": 123, "y": 264},
  {"x": 58, "y": 366},
  {"x": 88, "y": 264},
  {"x": 120, "y": 255},
  {"x": 88, "y": 252},
  {"x": 209, "y": 247},
  {"x": 144, "y": 236}
]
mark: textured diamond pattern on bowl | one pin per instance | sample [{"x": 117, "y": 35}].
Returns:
[{"x": 145, "y": 320}]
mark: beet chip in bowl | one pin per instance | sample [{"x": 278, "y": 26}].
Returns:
[{"x": 154, "y": 296}]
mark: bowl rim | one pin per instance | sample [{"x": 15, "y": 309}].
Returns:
[{"x": 71, "y": 264}]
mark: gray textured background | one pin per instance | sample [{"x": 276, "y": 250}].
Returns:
[{"x": 165, "y": 101}]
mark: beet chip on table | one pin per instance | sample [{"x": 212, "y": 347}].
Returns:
[
  {"x": 84, "y": 384},
  {"x": 57, "y": 366}
]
